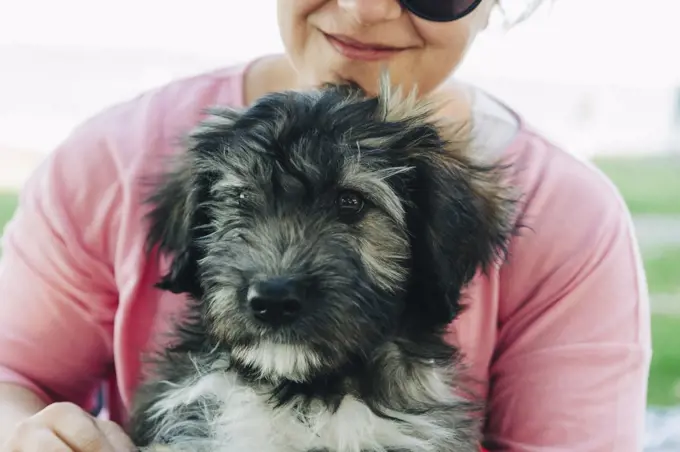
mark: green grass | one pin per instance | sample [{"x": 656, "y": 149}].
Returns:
[
  {"x": 649, "y": 185},
  {"x": 652, "y": 186},
  {"x": 8, "y": 202},
  {"x": 664, "y": 374},
  {"x": 662, "y": 268}
]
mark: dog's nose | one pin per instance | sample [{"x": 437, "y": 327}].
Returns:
[{"x": 275, "y": 301}]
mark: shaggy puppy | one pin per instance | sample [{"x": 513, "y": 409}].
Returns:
[{"x": 323, "y": 239}]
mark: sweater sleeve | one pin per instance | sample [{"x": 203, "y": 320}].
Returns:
[
  {"x": 57, "y": 293},
  {"x": 573, "y": 349}
]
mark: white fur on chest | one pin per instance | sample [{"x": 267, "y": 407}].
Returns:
[{"x": 248, "y": 422}]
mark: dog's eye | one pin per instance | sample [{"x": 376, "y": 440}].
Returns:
[
  {"x": 350, "y": 204},
  {"x": 242, "y": 196}
]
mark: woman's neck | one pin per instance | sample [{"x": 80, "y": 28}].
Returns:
[
  {"x": 267, "y": 75},
  {"x": 275, "y": 73}
]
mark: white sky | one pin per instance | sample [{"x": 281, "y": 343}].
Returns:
[{"x": 590, "y": 41}]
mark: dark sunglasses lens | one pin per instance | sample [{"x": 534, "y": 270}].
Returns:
[{"x": 441, "y": 10}]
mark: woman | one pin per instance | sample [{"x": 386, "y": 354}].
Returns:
[{"x": 559, "y": 336}]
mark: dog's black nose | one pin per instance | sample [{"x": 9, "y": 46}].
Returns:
[{"x": 275, "y": 301}]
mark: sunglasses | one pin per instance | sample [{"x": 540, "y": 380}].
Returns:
[{"x": 440, "y": 10}]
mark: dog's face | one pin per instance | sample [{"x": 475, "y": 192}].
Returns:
[{"x": 315, "y": 226}]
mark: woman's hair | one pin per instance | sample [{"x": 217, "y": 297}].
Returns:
[{"x": 516, "y": 11}]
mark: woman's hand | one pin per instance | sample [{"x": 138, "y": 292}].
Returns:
[{"x": 65, "y": 427}]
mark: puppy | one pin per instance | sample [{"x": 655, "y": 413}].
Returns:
[{"x": 323, "y": 239}]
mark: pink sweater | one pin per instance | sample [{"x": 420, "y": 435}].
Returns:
[{"x": 559, "y": 337}]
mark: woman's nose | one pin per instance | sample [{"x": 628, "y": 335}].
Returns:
[{"x": 367, "y": 12}]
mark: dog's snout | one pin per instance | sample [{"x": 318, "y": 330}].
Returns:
[{"x": 275, "y": 301}]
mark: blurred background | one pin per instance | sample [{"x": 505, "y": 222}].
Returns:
[{"x": 599, "y": 77}]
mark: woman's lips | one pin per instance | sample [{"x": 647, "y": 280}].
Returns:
[{"x": 357, "y": 50}]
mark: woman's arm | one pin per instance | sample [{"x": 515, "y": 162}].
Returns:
[
  {"x": 571, "y": 364},
  {"x": 57, "y": 294}
]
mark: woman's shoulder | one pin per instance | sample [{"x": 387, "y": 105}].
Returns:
[
  {"x": 154, "y": 120},
  {"x": 549, "y": 178},
  {"x": 555, "y": 184},
  {"x": 96, "y": 174},
  {"x": 572, "y": 219},
  {"x": 114, "y": 145}
]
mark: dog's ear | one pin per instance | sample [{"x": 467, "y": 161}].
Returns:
[
  {"x": 461, "y": 213},
  {"x": 178, "y": 217},
  {"x": 172, "y": 219},
  {"x": 461, "y": 221}
]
